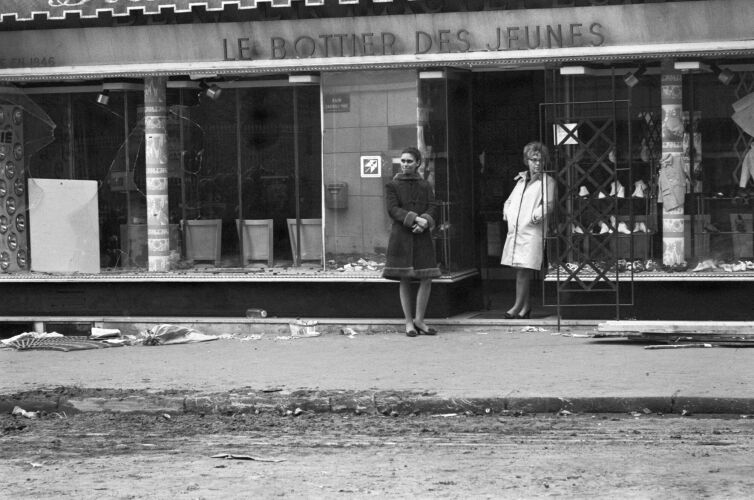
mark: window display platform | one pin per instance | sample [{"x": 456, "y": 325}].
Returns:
[
  {"x": 712, "y": 276},
  {"x": 292, "y": 292},
  {"x": 302, "y": 273}
]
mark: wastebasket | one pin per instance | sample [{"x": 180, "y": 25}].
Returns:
[{"x": 336, "y": 195}]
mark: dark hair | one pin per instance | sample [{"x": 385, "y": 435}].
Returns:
[
  {"x": 413, "y": 152},
  {"x": 536, "y": 147}
]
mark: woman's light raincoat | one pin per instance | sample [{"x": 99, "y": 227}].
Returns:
[{"x": 526, "y": 210}]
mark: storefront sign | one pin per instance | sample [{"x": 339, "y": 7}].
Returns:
[
  {"x": 425, "y": 38},
  {"x": 337, "y": 103},
  {"x": 443, "y": 41}
]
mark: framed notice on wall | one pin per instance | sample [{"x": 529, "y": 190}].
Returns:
[{"x": 371, "y": 166}]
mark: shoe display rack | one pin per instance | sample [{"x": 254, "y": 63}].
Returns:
[
  {"x": 14, "y": 246},
  {"x": 594, "y": 227}
]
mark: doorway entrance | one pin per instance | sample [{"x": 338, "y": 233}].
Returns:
[{"x": 505, "y": 119}]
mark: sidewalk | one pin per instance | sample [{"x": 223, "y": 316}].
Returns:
[{"x": 472, "y": 366}]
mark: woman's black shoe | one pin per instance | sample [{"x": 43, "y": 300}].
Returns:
[
  {"x": 428, "y": 331},
  {"x": 524, "y": 316},
  {"x": 508, "y": 315},
  {"x": 411, "y": 333}
]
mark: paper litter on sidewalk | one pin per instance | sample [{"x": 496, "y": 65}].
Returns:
[
  {"x": 533, "y": 329},
  {"x": 104, "y": 333},
  {"x": 166, "y": 334},
  {"x": 303, "y": 328}
]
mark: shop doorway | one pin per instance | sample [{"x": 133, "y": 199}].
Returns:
[{"x": 505, "y": 119}]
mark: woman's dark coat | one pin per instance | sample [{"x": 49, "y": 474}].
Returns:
[{"x": 410, "y": 255}]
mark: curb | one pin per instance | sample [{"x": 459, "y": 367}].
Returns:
[{"x": 394, "y": 403}]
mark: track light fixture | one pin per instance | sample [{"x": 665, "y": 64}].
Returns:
[
  {"x": 212, "y": 91},
  {"x": 632, "y": 77},
  {"x": 103, "y": 97},
  {"x": 724, "y": 75}
]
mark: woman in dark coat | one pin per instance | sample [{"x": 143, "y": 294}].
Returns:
[{"x": 410, "y": 251}]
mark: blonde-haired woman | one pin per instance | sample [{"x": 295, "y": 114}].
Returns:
[{"x": 526, "y": 211}]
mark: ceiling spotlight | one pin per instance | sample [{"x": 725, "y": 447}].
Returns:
[
  {"x": 103, "y": 98},
  {"x": 724, "y": 75},
  {"x": 632, "y": 77},
  {"x": 212, "y": 90}
]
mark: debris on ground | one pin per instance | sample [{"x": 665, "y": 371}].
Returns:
[
  {"x": 52, "y": 341},
  {"x": 533, "y": 329},
  {"x": 231, "y": 456},
  {"x": 677, "y": 346},
  {"x": 716, "y": 333},
  {"x": 20, "y": 412},
  {"x": 350, "y": 332},
  {"x": 303, "y": 328},
  {"x": 104, "y": 333},
  {"x": 166, "y": 334}
]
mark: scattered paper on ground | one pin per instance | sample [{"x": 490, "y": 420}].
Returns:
[
  {"x": 533, "y": 329},
  {"x": 231, "y": 456},
  {"x": 165, "y": 334},
  {"x": 303, "y": 328}
]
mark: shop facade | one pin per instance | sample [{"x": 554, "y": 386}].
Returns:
[{"x": 201, "y": 158}]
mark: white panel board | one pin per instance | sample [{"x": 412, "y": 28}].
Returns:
[{"x": 63, "y": 226}]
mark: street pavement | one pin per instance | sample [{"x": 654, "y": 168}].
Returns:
[{"x": 479, "y": 367}]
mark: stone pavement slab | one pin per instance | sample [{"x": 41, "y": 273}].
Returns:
[{"x": 477, "y": 367}]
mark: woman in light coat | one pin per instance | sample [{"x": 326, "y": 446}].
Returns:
[{"x": 526, "y": 211}]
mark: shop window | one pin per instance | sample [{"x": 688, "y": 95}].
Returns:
[
  {"x": 713, "y": 230},
  {"x": 369, "y": 118},
  {"x": 252, "y": 155}
]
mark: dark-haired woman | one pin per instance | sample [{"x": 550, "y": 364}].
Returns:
[{"x": 410, "y": 251}]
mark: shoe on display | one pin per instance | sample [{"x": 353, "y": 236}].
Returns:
[
  {"x": 638, "y": 266},
  {"x": 726, "y": 267},
  {"x": 601, "y": 195},
  {"x": 749, "y": 265},
  {"x": 628, "y": 267},
  {"x": 640, "y": 189},
  {"x": 711, "y": 228},
  {"x": 617, "y": 190},
  {"x": 705, "y": 265},
  {"x": 650, "y": 265},
  {"x": 604, "y": 229},
  {"x": 583, "y": 192},
  {"x": 638, "y": 228},
  {"x": 623, "y": 228},
  {"x": 576, "y": 229},
  {"x": 738, "y": 266}
]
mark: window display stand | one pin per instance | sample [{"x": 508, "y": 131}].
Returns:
[
  {"x": 257, "y": 240},
  {"x": 203, "y": 239},
  {"x": 311, "y": 238}
]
